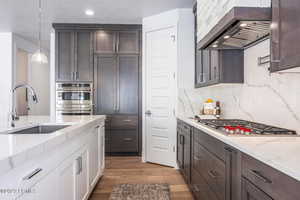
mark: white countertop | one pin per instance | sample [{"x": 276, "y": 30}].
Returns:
[
  {"x": 16, "y": 149},
  {"x": 280, "y": 153}
]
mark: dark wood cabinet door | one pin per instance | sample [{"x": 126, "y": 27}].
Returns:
[
  {"x": 206, "y": 65},
  {"x": 84, "y": 56},
  {"x": 199, "y": 78},
  {"x": 214, "y": 66},
  {"x": 128, "y": 42},
  {"x": 285, "y": 44},
  {"x": 180, "y": 152},
  {"x": 65, "y": 49},
  {"x": 105, "y": 84},
  {"x": 187, "y": 152},
  {"x": 128, "y": 84},
  {"x": 250, "y": 192},
  {"x": 105, "y": 42}
]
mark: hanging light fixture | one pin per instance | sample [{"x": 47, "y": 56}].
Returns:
[{"x": 39, "y": 56}]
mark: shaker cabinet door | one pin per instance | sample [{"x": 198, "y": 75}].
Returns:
[
  {"x": 105, "y": 42},
  {"x": 128, "y": 84},
  {"x": 65, "y": 52},
  {"x": 105, "y": 84},
  {"x": 128, "y": 42},
  {"x": 285, "y": 31},
  {"x": 84, "y": 56}
]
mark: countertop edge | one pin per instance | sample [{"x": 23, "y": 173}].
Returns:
[
  {"x": 13, "y": 161},
  {"x": 216, "y": 134}
]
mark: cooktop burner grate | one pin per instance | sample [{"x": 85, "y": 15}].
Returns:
[{"x": 256, "y": 128}]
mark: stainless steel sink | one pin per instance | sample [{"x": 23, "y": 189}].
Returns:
[{"x": 42, "y": 129}]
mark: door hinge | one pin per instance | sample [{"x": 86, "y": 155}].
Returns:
[{"x": 173, "y": 38}]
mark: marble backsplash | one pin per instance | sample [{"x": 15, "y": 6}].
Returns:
[{"x": 267, "y": 98}]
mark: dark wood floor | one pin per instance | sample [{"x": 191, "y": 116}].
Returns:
[{"x": 131, "y": 170}]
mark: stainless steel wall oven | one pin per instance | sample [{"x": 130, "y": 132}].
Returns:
[{"x": 74, "y": 98}]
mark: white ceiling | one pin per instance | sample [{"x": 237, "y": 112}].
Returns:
[{"x": 20, "y": 16}]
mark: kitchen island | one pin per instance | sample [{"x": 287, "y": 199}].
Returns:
[{"x": 65, "y": 164}]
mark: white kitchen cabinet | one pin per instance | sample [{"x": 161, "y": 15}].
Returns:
[
  {"x": 82, "y": 181},
  {"x": 96, "y": 154},
  {"x": 101, "y": 149},
  {"x": 93, "y": 156},
  {"x": 66, "y": 180},
  {"x": 43, "y": 190}
]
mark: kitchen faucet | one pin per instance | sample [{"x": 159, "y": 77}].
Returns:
[{"x": 14, "y": 115}]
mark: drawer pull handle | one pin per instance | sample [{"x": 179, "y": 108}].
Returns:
[
  {"x": 258, "y": 175},
  {"x": 196, "y": 188},
  {"x": 32, "y": 174},
  {"x": 213, "y": 174},
  {"x": 126, "y": 120},
  {"x": 127, "y": 139}
]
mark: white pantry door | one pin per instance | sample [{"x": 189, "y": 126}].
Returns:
[{"x": 160, "y": 120}]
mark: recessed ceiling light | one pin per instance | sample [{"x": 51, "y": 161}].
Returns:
[
  {"x": 243, "y": 25},
  {"x": 215, "y": 46},
  {"x": 89, "y": 12},
  {"x": 226, "y": 37}
]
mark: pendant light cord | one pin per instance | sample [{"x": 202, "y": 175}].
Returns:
[{"x": 40, "y": 25}]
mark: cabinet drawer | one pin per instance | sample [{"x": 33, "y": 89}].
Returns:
[
  {"x": 214, "y": 172},
  {"x": 124, "y": 122},
  {"x": 274, "y": 183},
  {"x": 211, "y": 144},
  {"x": 250, "y": 192},
  {"x": 200, "y": 188},
  {"x": 124, "y": 141}
]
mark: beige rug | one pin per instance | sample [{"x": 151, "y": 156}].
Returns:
[{"x": 141, "y": 192}]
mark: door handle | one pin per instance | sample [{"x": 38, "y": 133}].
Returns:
[{"x": 148, "y": 112}]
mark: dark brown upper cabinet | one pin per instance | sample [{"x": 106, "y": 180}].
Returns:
[
  {"x": 219, "y": 66},
  {"x": 105, "y": 42},
  {"x": 74, "y": 56},
  {"x": 117, "y": 42},
  {"x": 285, "y": 30},
  {"x": 213, "y": 66}
]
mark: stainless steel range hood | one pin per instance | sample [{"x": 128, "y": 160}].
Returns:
[{"x": 238, "y": 29}]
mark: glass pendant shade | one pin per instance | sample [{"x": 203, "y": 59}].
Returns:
[{"x": 39, "y": 57}]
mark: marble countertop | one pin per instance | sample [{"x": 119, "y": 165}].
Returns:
[
  {"x": 280, "y": 153},
  {"x": 17, "y": 149}
]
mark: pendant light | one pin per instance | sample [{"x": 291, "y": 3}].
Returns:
[{"x": 39, "y": 56}]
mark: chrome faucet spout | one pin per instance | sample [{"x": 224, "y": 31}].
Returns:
[{"x": 14, "y": 114}]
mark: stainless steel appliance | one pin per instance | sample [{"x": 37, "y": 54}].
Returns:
[
  {"x": 235, "y": 127},
  {"x": 74, "y": 98}
]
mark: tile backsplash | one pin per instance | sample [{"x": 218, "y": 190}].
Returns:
[{"x": 267, "y": 98}]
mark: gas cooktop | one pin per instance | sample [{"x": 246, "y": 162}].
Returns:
[{"x": 235, "y": 127}]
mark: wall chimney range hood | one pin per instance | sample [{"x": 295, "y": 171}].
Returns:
[{"x": 239, "y": 28}]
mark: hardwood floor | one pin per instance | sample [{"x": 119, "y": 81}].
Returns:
[{"x": 131, "y": 170}]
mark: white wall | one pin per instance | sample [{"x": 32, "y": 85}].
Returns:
[
  {"x": 39, "y": 79},
  {"x": 9, "y": 45},
  {"x": 6, "y": 51},
  {"x": 267, "y": 98}
]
